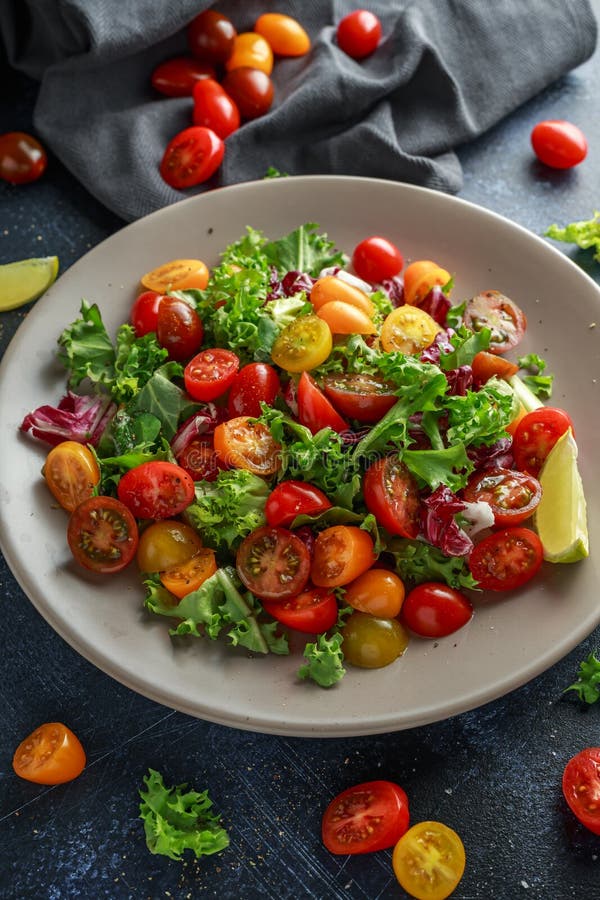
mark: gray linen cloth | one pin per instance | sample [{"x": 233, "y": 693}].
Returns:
[{"x": 444, "y": 73}]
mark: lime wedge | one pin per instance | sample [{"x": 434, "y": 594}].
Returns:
[
  {"x": 26, "y": 280},
  {"x": 560, "y": 518}
]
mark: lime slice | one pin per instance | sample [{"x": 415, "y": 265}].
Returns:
[
  {"x": 560, "y": 518},
  {"x": 26, "y": 280}
]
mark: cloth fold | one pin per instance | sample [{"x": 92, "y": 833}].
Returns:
[{"x": 445, "y": 72}]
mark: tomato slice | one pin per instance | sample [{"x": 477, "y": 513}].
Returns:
[
  {"x": 365, "y": 818},
  {"x": 244, "y": 444},
  {"x": 581, "y": 787},
  {"x": 506, "y": 559},
  {"x": 314, "y": 409},
  {"x": 302, "y": 345},
  {"x": 273, "y": 563},
  {"x": 190, "y": 575},
  {"x": 409, "y": 330},
  {"x": 392, "y": 495},
  {"x": 365, "y": 398},
  {"x": 314, "y": 610},
  {"x": 254, "y": 384},
  {"x": 102, "y": 534},
  {"x": 178, "y": 328},
  {"x": 429, "y": 861},
  {"x": 156, "y": 490},
  {"x": 210, "y": 373},
  {"x": 506, "y": 320},
  {"x": 341, "y": 554},
  {"x": 535, "y": 436},
  {"x": 294, "y": 498},
  {"x": 512, "y": 495},
  {"x": 485, "y": 365},
  {"x": 72, "y": 473},
  {"x": 177, "y": 275},
  {"x": 434, "y": 610},
  {"x": 192, "y": 157},
  {"x": 52, "y": 754}
]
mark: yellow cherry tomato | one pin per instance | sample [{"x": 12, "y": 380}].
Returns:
[
  {"x": 429, "y": 861},
  {"x": 370, "y": 642},
  {"x": 329, "y": 288},
  {"x": 252, "y": 50},
  {"x": 166, "y": 544},
  {"x": 285, "y": 35},
  {"x": 343, "y": 318},
  {"x": 409, "y": 330},
  {"x": 177, "y": 275},
  {"x": 71, "y": 473},
  {"x": 420, "y": 276},
  {"x": 302, "y": 345}
]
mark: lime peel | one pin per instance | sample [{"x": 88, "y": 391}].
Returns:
[
  {"x": 26, "y": 280},
  {"x": 561, "y": 518}
]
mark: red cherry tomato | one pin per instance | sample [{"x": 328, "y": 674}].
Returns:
[
  {"x": 178, "y": 328},
  {"x": 251, "y": 89},
  {"x": 294, "y": 498},
  {"x": 200, "y": 460},
  {"x": 273, "y": 563},
  {"x": 102, "y": 534},
  {"x": 359, "y": 33},
  {"x": 507, "y": 559},
  {"x": 156, "y": 490},
  {"x": 365, "y": 398},
  {"x": 535, "y": 436},
  {"x": 559, "y": 144},
  {"x": 434, "y": 610},
  {"x": 22, "y": 158},
  {"x": 314, "y": 611},
  {"x": 512, "y": 495},
  {"x": 192, "y": 157},
  {"x": 211, "y": 36},
  {"x": 214, "y": 108},
  {"x": 392, "y": 495},
  {"x": 485, "y": 365},
  {"x": 365, "y": 818},
  {"x": 210, "y": 373},
  {"x": 176, "y": 77},
  {"x": 376, "y": 259},
  {"x": 144, "y": 312},
  {"x": 581, "y": 787},
  {"x": 314, "y": 409},
  {"x": 254, "y": 384},
  {"x": 506, "y": 320}
]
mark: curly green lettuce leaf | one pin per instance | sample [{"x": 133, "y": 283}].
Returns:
[
  {"x": 417, "y": 561},
  {"x": 324, "y": 660},
  {"x": 587, "y": 686},
  {"x": 466, "y": 345},
  {"x": 586, "y": 234},
  {"x": 304, "y": 250},
  {"x": 480, "y": 417},
  {"x": 229, "y": 508},
  {"x": 177, "y": 819},
  {"x": 536, "y": 381},
  {"x": 450, "y": 466}
]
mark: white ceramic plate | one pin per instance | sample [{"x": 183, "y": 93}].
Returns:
[{"x": 510, "y": 639}]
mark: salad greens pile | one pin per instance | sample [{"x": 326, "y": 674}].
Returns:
[{"x": 137, "y": 407}]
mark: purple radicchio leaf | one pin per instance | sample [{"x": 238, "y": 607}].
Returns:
[
  {"x": 76, "y": 418},
  {"x": 436, "y": 304},
  {"x": 439, "y": 525},
  {"x": 498, "y": 454},
  {"x": 202, "y": 423}
]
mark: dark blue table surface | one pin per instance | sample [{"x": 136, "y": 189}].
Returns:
[{"x": 493, "y": 774}]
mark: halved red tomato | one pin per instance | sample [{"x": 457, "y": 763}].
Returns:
[
  {"x": 506, "y": 559},
  {"x": 365, "y": 818},
  {"x": 156, "y": 490},
  {"x": 313, "y": 611},
  {"x": 294, "y": 498},
  {"x": 199, "y": 459},
  {"x": 102, "y": 535},
  {"x": 535, "y": 436},
  {"x": 486, "y": 364},
  {"x": 273, "y": 563},
  {"x": 314, "y": 409},
  {"x": 392, "y": 495},
  {"x": 581, "y": 787},
  {"x": 365, "y": 398},
  {"x": 512, "y": 495},
  {"x": 210, "y": 373},
  {"x": 493, "y": 310}
]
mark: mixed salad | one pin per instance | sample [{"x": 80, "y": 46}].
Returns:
[{"x": 300, "y": 440}]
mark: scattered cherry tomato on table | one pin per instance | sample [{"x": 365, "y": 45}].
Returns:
[
  {"x": 358, "y": 33},
  {"x": 192, "y": 157},
  {"x": 214, "y": 108},
  {"x": 365, "y": 818},
  {"x": 211, "y": 36},
  {"x": 52, "y": 754},
  {"x": 581, "y": 787},
  {"x": 250, "y": 49},
  {"x": 251, "y": 90},
  {"x": 285, "y": 35},
  {"x": 176, "y": 77},
  {"x": 22, "y": 158},
  {"x": 559, "y": 144},
  {"x": 429, "y": 861}
]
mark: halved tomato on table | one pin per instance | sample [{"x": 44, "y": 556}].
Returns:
[
  {"x": 314, "y": 610},
  {"x": 52, "y": 754},
  {"x": 496, "y": 311},
  {"x": 102, "y": 534},
  {"x": 429, "y": 861},
  {"x": 581, "y": 787},
  {"x": 365, "y": 818},
  {"x": 392, "y": 495},
  {"x": 273, "y": 563},
  {"x": 365, "y": 398},
  {"x": 513, "y": 496}
]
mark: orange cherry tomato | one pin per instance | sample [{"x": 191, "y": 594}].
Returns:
[
  {"x": 419, "y": 277},
  {"x": 190, "y": 575},
  {"x": 341, "y": 554},
  {"x": 486, "y": 364},
  {"x": 249, "y": 445},
  {"x": 408, "y": 329},
  {"x": 343, "y": 318},
  {"x": 177, "y": 275},
  {"x": 331, "y": 288},
  {"x": 284, "y": 34},
  {"x": 251, "y": 49},
  {"x": 71, "y": 473},
  {"x": 51, "y": 754},
  {"x": 378, "y": 592}
]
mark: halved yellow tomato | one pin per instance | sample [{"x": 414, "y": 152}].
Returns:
[
  {"x": 429, "y": 861},
  {"x": 71, "y": 473},
  {"x": 302, "y": 345},
  {"x": 177, "y": 275},
  {"x": 166, "y": 544},
  {"x": 409, "y": 330}
]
